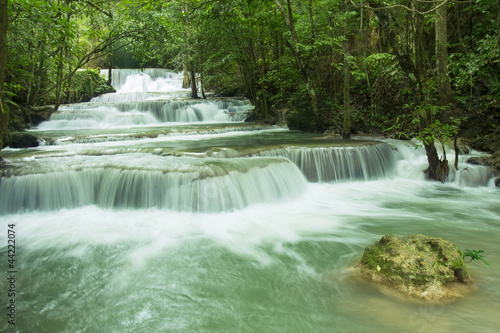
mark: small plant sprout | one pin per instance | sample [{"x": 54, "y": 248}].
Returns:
[{"x": 474, "y": 256}]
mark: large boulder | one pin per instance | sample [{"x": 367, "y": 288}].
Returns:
[
  {"x": 23, "y": 117},
  {"x": 417, "y": 265}
]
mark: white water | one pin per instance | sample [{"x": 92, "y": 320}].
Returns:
[
  {"x": 145, "y": 98},
  {"x": 340, "y": 163},
  {"x": 140, "y": 182},
  {"x": 173, "y": 228}
]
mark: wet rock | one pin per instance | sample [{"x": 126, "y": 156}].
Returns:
[
  {"x": 492, "y": 160},
  {"x": 488, "y": 143},
  {"x": 416, "y": 265},
  {"x": 300, "y": 121},
  {"x": 28, "y": 116},
  {"x": 254, "y": 117},
  {"x": 38, "y": 114},
  {"x": 474, "y": 161},
  {"x": 23, "y": 140},
  {"x": 463, "y": 148}
]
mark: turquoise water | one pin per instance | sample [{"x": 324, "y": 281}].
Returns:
[{"x": 268, "y": 268}]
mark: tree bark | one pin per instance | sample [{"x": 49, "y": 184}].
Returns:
[
  {"x": 3, "y": 43},
  {"x": 194, "y": 88},
  {"x": 346, "y": 128},
  {"x": 445, "y": 94},
  {"x": 443, "y": 83},
  {"x": 185, "y": 81},
  {"x": 4, "y": 112},
  {"x": 303, "y": 66},
  {"x": 498, "y": 22}
]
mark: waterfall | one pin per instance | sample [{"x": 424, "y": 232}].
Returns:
[
  {"x": 334, "y": 164},
  {"x": 141, "y": 113},
  {"x": 138, "y": 96},
  {"x": 148, "y": 112},
  {"x": 146, "y": 80},
  {"x": 146, "y": 181},
  {"x": 96, "y": 117}
]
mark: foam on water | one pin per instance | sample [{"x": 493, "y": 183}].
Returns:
[
  {"x": 334, "y": 164},
  {"x": 147, "y": 80},
  {"x": 150, "y": 112},
  {"x": 144, "y": 181}
]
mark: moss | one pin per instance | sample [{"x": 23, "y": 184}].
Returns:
[{"x": 415, "y": 261}]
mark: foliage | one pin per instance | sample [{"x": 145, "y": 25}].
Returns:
[
  {"x": 248, "y": 47},
  {"x": 475, "y": 66},
  {"x": 50, "y": 40},
  {"x": 435, "y": 131},
  {"x": 474, "y": 255}
]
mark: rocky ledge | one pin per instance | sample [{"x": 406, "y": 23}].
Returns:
[
  {"x": 489, "y": 143},
  {"x": 420, "y": 266}
]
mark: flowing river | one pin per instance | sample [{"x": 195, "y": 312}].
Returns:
[{"x": 144, "y": 211}]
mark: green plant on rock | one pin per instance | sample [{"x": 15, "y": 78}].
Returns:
[
  {"x": 87, "y": 84},
  {"x": 474, "y": 255}
]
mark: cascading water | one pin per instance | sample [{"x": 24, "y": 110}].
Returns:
[
  {"x": 336, "y": 164},
  {"x": 145, "y": 98},
  {"x": 148, "y": 212},
  {"x": 139, "y": 182}
]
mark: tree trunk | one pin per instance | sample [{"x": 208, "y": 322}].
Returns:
[
  {"x": 443, "y": 83},
  {"x": 38, "y": 72},
  {"x": 445, "y": 94},
  {"x": 185, "y": 81},
  {"x": 346, "y": 130},
  {"x": 411, "y": 66},
  {"x": 110, "y": 74},
  {"x": 59, "y": 78},
  {"x": 4, "y": 112},
  {"x": 200, "y": 70},
  {"x": 3, "y": 44},
  {"x": 498, "y": 38},
  {"x": 194, "y": 89}
]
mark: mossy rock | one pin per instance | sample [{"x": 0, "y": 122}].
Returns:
[
  {"x": 416, "y": 265},
  {"x": 23, "y": 140}
]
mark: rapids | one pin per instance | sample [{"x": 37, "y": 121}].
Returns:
[{"x": 144, "y": 211}]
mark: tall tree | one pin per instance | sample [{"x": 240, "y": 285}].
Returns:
[
  {"x": 346, "y": 127},
  {"x": 412, "y": 62},
  {"x": 443, "y": 82},
  {"x": 498, "y": 24},
  {"x": 4, "y": 112}
]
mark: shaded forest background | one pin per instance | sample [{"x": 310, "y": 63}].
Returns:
[{"x": 429, "y": 69}]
